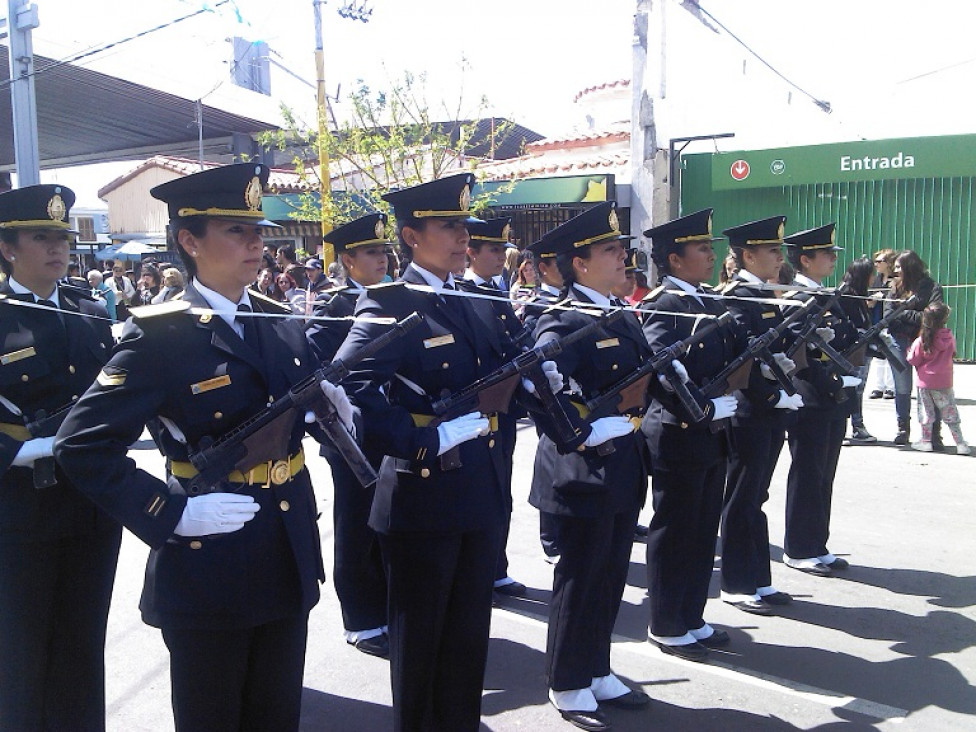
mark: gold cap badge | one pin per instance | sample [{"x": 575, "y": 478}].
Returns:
[
  {"x": 614, "y": 223},
  {"x": 465, "y": 198},
  {"x": 506, "y": 232},
  {"x": 252, "y": 196},
  {"x": 56, "y": 209},
  {"x": 380, "y": 230}
]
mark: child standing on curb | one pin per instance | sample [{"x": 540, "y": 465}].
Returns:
[{"x": 931, "y": 354}]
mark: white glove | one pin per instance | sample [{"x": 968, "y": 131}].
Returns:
[
  {"x": 850, "y": 381},
  {"x": 335, "y": 394},
  {"x": 789, "y": 402},
  {"x": 461, "y": 429},
  {"x": 216, "y": 513},
  {"x": 607, "y": 428},
  {"x": 826, "y": 333},
  {"x": 555, "y": 378},
  {"x": 39, "y": 447},
  {"x": 725, "y": 407},
  {"x": 680, "y": 370},
  {"x": 785, "y": 362}
]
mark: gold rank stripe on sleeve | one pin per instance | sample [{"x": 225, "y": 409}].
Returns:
[
  {"x": 210, "y": 384},
  {"x": 20, "y": 355},
  {"x": 106, "y": 379}
]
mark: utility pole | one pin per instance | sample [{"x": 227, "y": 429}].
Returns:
[
  {"x": 22, "y": 19},
  {"x": 325, "y": 178}
]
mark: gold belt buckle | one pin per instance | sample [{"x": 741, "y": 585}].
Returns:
[{"x": 279, "y": 473}]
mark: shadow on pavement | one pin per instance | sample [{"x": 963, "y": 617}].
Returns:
[{"x": 323, "y": 712}]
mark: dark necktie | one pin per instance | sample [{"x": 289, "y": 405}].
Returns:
[
  {"x": 453, "y": 303},
  {"x": 47, "y": 304},
  {"x": 248, "y": 326}
]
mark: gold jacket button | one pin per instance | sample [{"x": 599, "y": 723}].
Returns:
[
  {"x": 491, "y": 442},
  {"x": 701, "y": 344},
  {"x": 445, "y": 365},
  {"x": 284, "y": 506},
  {"x": 425, "y": 473},
  {"x": 25, "y": 377},
  {"x": 74, "y": 397},
  {"x": 502, "y": 316},
  {"x": 684, "y": 425},
  {"x": 298, "y": 362},
  {"x": 614, "y": 367},
  {"x": 218, "y": 415},
  {"x": 195, "y": 544},
  {"x": 71, "y": 369}
]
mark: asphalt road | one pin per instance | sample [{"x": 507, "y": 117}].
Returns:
[{"x": 887, "y": 645}]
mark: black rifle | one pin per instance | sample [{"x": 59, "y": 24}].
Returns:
[
  {"x": 492, "y": 393},
  {"x": 872, "y": 337},
  {"x": 46, "y": 425},
  {"x": 736, "y": 374},
  {"x": 809, "y": 333},
  {"x": 631, "y": 391},
  {"x": 266, "y": 435}
]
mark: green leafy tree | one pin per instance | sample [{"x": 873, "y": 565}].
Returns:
[{"x": 393, "y": 138}]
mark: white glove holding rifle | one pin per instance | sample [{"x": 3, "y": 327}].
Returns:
[
  {"x": 35, "y": 449},
  {"x": 461, "y": 429},
  {"x": 216, "y": 513}
]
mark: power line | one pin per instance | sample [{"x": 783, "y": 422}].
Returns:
[
  {"x": 113, "y": 44},
  {"x": 694, "y": 8}
]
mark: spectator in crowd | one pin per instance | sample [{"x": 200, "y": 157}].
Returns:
[
  {"x": 149, "y": 284},
  {"x": 286, "y": 257},
  {"x": 172, "y": 285},
  {"x": 264, "y": 284},
  {"x": 125, "y": 291},
  {"x": 883, "y": 383},
  {"x": 858, "y": 277},
  {"x": 911, "y": 277},
  {"x": 336, "y": 276},
  {"x": 728, "y": 269},
  {"x": 287, "y": 291},
  {"x": 931, "y": 354},
  {"x": 102, "y": 291}
]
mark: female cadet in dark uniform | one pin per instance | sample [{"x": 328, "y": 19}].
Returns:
[
  {"x": 689, "y": 459},
  {"x": 760, "y": 423},
  {"x": 592, "y": 500},
  {"x": 439, "y": 525},
  {"x": 360, "y": 582},
  {"x": 58, "y": 552},
  {"x": 232, "y": 573},
  {"x": 817, "y": 435}
]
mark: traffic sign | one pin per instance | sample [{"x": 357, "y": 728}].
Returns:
[{"x": 739, "y": 170}]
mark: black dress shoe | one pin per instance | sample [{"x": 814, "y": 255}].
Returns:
[
  {"x": 593, "y": 721},
  {"x": 778, "y": 598},
  {"x": 839, "y": 563},
  {"x": 633, "y": 699},
  {"x": 716, "y": 639},
  {"x": 756, "y": 607},
  {"x": 876, "y": 394},
  {"x": 512, "y": 589},
  {"x": 820, "y": 569},
  {"x": 378, "y": 645},
  {"x": 689, "y": 651}
]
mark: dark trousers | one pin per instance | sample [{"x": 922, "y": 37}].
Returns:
[
  {"x": 440, "y": 588},
  {"x": 509, "y": 433},
  {"x": 238, "y": 680},
  {"x": 681, "y": 543},
  {"x": 745, "y": 531},
  {"x": 587, "y": 586},
  {"x": 359, "y": 578},
  {"x": 548, "y": 533},
  {"x": 54, "y": 601},
  {"x": 815, "y": 442}
]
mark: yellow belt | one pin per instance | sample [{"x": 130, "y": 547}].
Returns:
[
  {"x": 17, "y": 431},
  {"x": 422, "y": 420},
  {"x": 274, "y": 472},
  {"x": 584, "y": 413}
]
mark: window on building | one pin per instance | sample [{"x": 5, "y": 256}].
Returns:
[{"x": 85, "y": 226}]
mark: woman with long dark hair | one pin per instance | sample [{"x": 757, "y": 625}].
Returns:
[
  {"x": 911, "y": 277},
  {"x": 858, "y": 277}
]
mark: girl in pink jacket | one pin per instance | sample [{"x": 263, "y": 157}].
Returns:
[{"x": 931, "y": 354}]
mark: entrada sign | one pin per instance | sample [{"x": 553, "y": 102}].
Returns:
[{"x": 920, "y": 157}]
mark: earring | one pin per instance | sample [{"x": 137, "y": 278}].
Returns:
[{"x": 13, "y": 259}]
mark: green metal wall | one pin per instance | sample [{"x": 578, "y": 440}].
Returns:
[{"x": 935, "y": 217}]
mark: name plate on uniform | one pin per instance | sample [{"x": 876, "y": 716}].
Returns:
[
  {"x": 608, "y": 343},
  {"x": 439, "y": 341},
  {"x": 770, "y": 314},
  {"x": 210, "y": 384},
  {"x": 18, "y": 355}
]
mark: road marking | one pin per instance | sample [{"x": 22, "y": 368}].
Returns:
[{"x": 727, "y": 670}]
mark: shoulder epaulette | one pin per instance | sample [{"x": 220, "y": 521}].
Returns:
[
  {"x": 728, "y": 287},
  {"x": 164, "y": 308},
  {"x": 267, "y": 301},
  {"x": 654, "y": 294},
  {"x": 706, "y": 287}
]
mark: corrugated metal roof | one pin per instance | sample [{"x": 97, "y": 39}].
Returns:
[{"x": 84, "y": 116}]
